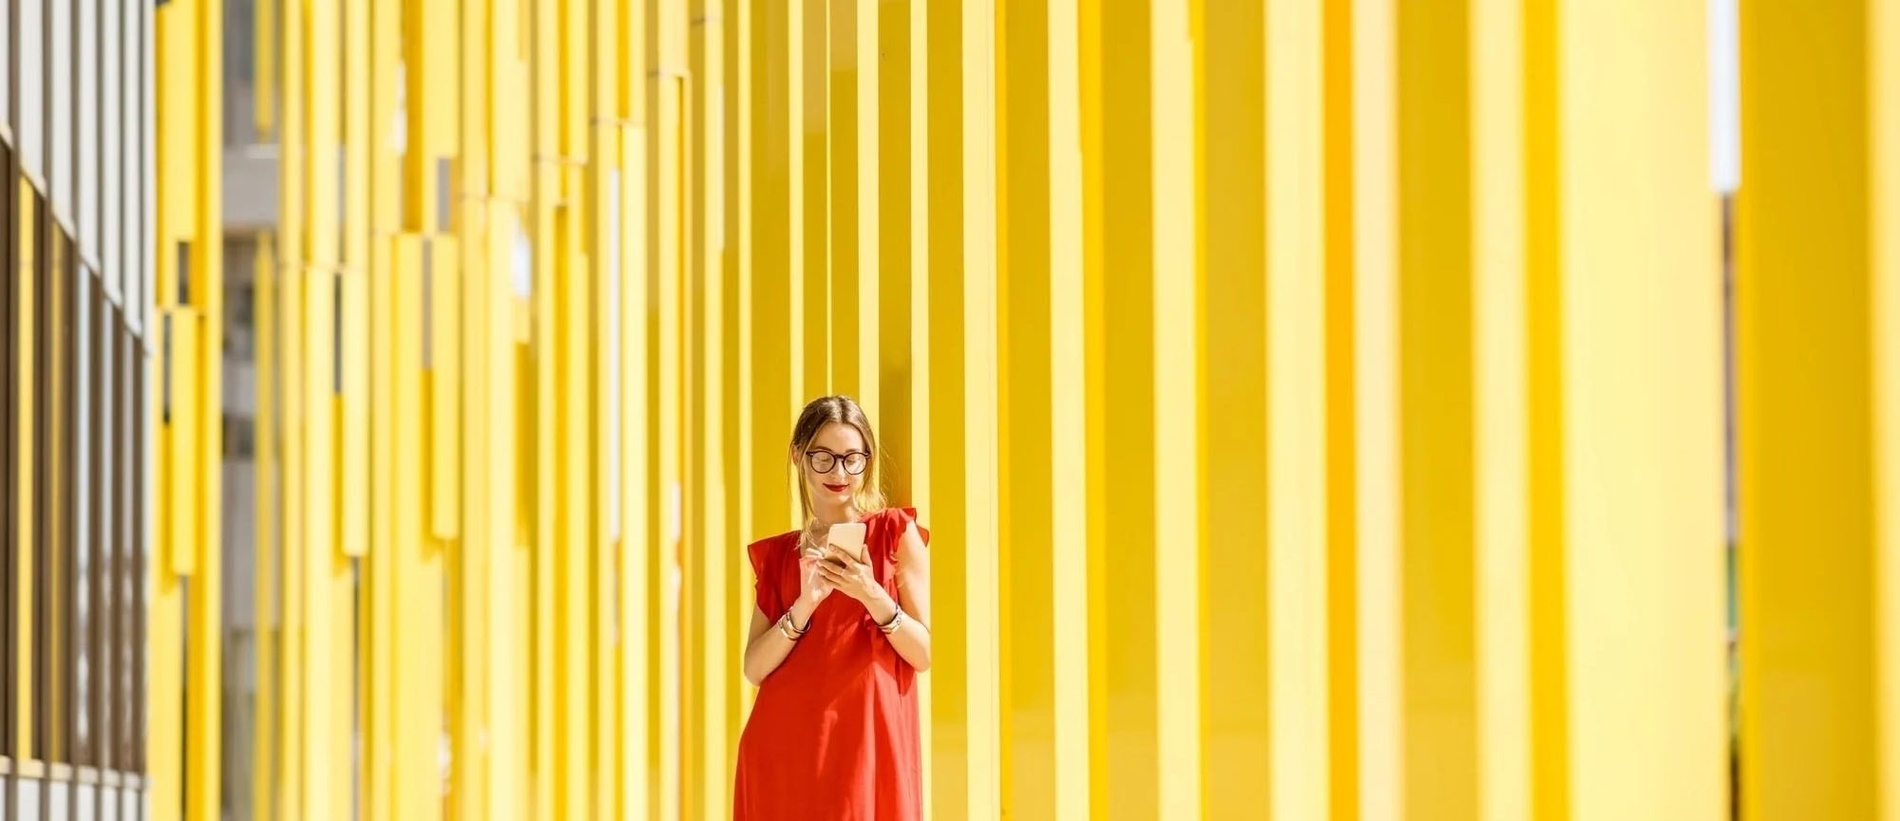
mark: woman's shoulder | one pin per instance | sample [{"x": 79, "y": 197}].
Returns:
[{"x": 772, "y": 545}]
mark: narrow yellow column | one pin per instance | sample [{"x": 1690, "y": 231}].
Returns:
[
  {"x": 541, "y": 23},
  {"x": 738, "y": 58},
  {"x": 604, "y": 242},
  {"x": 775, "y": 310},
  {"x": 1884, "y": 63},
  {"x": 1502, "y": 276},
  {"x": 1806, "y": 419},
  {"x": 1024, "y": 449},
  {"x": 1641, "y": 339},
  {"x": 709, "y": 789},
  {"x": 204, "y": 795},
  {"x": 1233, "y": 184},
  {"x": 637, "y": 787},
  {"x": 1142, "y": 155},
  {"x": 902, "y": 226},
  {"x": 266, "y": 703},
  {"x": 813, "y": 70},
  {"x": 962, "y": 293},
  {"x": 667, "y": 259},
  {"x": 855, "y": 212},
  {"x": 380, "y": 584}
]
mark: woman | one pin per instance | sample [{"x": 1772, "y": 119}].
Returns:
[{"x": 836, "y": 643}]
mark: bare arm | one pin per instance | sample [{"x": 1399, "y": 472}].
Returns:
[
  {"x": 912, "y": 637},
  {"x": 766, "y": 646}
]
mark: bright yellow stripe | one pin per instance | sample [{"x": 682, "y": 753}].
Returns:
[
  {"x": 853, "y": 133},
  {"x": 290, "y": 303},
  {"x": 1642, "y": 333},
  {"x": 1233, "y": 432},
  {"x": 1375, "y": 253},
  {"x": 813, "y": 135},
  {"x": 573, "y": 523},
  {"x": 180, "y": 436},
  {"x": 1805, "y": 419},
  {"x": 737, "y": 346},
  {"x": 638, "y": 508},
  {"x": 25, "y": 387},
  {"x": 605, "y": 242},
  {"x": 418, "y": 566},
  {"x": 668, "y": 258},
  {"x": 380, "y": 570},
  {"x": 1502, "y": 413},
  {"x": 266, "y": 706},
  {"x": 1027, "y": 763},
  {"x": 1884, "y": 62}
]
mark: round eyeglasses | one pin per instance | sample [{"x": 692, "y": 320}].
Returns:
[{"x": 823, "y": 461}]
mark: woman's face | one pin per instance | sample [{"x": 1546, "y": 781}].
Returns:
[{"x": 835, "y": 464}]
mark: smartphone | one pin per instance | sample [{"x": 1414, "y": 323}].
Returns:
[{"x": 849, "y": 537}]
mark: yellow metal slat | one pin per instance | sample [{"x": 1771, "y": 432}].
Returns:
[
  {"x": 1502, "y": 411},
  {"x": 266, "y": 705},
  {"x": 183, "y": 526},
  {"x": 1884, "y": 69},
  {"x": 25, "y": 387},
  {"x": 1234, "y": 450},
  {"x": 296, "y": 506},
  {"x": 1804, "y": 417},
  {"x": 1297, "y": 416},
  {"x": 1642, "y": 515},
  {"x": 443, "y": 271},
  {"x": 637, "y": 511},
  {"x": 1027, "y": 423},
  {"x": 574, "y": 531},
  {"x": 813, "y": 134},
  {"x": 418, "y": 674},
  {"x": 852, "y": 127},
  {"x": 708, "y": 788}
]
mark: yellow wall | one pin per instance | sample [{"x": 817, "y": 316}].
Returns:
[{"x": 1317, "y": 404}]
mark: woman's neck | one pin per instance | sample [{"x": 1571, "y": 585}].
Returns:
[{"x": 826, "y": 517}]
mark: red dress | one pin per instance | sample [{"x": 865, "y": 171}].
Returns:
[{"x": 833, "y": 734}]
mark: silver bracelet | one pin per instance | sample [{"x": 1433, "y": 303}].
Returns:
[{"x": 897, "y": 620}]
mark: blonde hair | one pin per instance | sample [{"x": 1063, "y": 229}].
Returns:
[{"x": 842, "y": 409}]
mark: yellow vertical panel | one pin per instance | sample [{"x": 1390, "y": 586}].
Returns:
[
  {"x": 637, "y": 509},
  {"x": 380, "y": 581},
  {"x": 430, "y": 66},
  {"x": 356, "y": 271},
  {"x": 1150, "y": 671},
  {"x": 204, "y": 794},
  {"x": 605, "y": 242},
  {"x": 1342, "y": 439},
  {"x": 1376, "y": 347},
  {"x": 1296, "y": 412},
  {"x": 736, "y": 385},
  {"x": 175, "y": 173},
  {"x": 1884, "y": 71},
  {"x": 573, "y": 524},
  {"x": 1233, "y": 179},
  {"x": 380, "y": 570},
  {"x": 164, "y": 691},
  {"x": 949, "y": 756},
  {"x": 775, "y": 317},
  {"x": 854, "y": 164},
  {"x": 898, "y": 185},
  {"x": 24, "y": 505},
  {"x": 265, "y": 95},
  {"x": 266, "y": 706},
  {"x": 183, "y": 528},
  {"x": 708, "y": 784},
  {"x": 1068, "y": 504},
  {"x": 1176, "y": 288},
  {"x": 1435, "y": 406},
  {"x": 443, "y": 271},
  {"x": 544, "y": 145},
  {"x": 1642, "y": 352},
  {"x": 290, "y": 307},
  {"x": 1805, "y": 421},
  {"x": 1025, "y": 421},
  {"x": 813, "y": 135},
  {"x": 919, "y": 138},
  {"x": 1501, "y": 412},
  {"x": 492, "y": 481},
  {"x": 1093, "y": 100},
  {"x": 670, "y": 216},
  {"x": 418, "y": 672},
  {"x": 981, "y": 661}
]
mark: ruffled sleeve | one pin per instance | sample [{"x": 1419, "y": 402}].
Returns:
[
  {"x": 764, "y": 583},
  {"x": 897, "y": 520}
]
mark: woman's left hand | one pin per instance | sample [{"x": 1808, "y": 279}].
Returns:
[{"x": 850, "y": 576}]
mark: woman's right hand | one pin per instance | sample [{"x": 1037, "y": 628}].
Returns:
[{"x": 812, "y": 586}]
